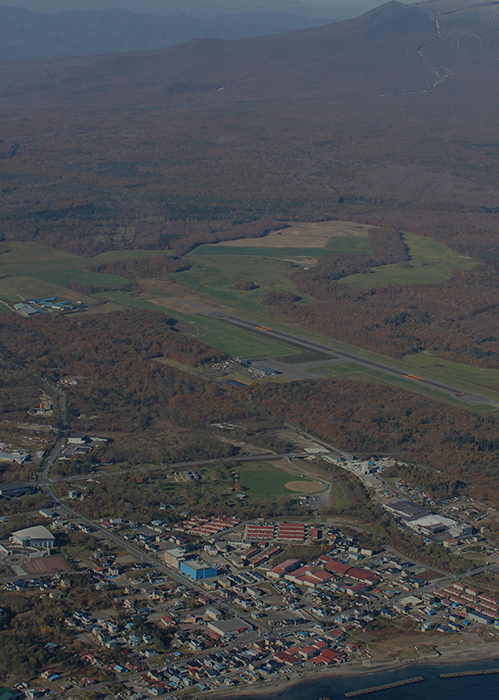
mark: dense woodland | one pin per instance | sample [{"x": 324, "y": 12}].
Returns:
[
  {"x": 455, "y": 319},
  {"x": 155, "y": 412},
  {"x": 370, "y": 418}
]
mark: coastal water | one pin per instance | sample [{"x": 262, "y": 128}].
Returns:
[{"x": 432, "y": 688}]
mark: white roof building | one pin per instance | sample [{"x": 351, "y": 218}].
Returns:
[
  {"x": 37, "y": 536},
  {"x": 431, "y": 524}
]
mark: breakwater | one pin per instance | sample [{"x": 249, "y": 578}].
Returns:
[
  {"x": 460, "y": 674},
  {"x": 386, "y": 686}
]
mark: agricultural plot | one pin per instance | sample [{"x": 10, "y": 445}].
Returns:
[
  {"x": 32, "y": 269},
  {"x": 303, "y": 234}
]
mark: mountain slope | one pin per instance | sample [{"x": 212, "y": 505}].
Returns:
[{"x": 393, "y": 107}]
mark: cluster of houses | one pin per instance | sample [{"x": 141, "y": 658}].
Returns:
[{"x": 207, "y": 527}]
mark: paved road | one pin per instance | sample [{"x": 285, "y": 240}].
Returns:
[{"x": 346, "y": 355}]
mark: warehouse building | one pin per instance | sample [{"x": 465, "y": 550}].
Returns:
[
  {"x": 34, "y": 537},
  {"x": 197, "y": 570}
]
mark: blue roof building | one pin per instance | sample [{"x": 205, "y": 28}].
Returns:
[{"x": 196, "y": 569}]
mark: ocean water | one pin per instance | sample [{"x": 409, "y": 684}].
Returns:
[{"x": 432, "y": 688}]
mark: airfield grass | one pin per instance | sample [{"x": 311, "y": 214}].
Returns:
[
  {"x": 430, "y": 262},
  {"x": 126, "y": 300},
  {"x": 352, "y": 370},
  {"x": 233, "y": 340},
  {"x": 446, "y": 369},
  {"x": 261, "y": 479},
  {"x": 63, "y": 278},
  {"x": 216, "y": 277}
]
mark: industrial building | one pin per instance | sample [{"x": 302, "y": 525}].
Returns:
[
  {"x": 196, "y": 569},
  {"x": 228, "y": 628},
  {"x": 13, "y": 490},
  {"x": 37, "y": 536}
]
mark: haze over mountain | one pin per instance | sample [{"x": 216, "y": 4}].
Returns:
[
  {"x": 397, "y": 107},
  {"x": 28, "y": 34}
]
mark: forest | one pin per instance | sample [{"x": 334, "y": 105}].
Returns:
[
  {"x": 153, "y": 411},
  {"x": 454, "y": 319}
]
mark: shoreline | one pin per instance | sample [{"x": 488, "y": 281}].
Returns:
[{"x": 446, "y": 656}]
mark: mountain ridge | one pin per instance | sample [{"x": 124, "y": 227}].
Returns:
[{"x": 30, "y": 34}]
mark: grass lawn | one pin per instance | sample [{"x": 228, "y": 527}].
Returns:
[
  {"x": 216, "y": 276},
  {"x": 352, "y": 370},
  {"x": 238, "y": 341},
  {"x": 357, "y": 246},
  {"x": 250, "y": 251},
  {"x": 430, "y": 262},
  {"x": 338, "y": 495},
  {"x": 63, "y": 278},
  {"x": 341, "y": 370},
  {"x": 124, "y": 299},
  {"x": 263, "y": 480},
  {"x": 446, "y": 369}
]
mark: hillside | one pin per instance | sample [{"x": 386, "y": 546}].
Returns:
[{"x": 391, "y": 114}]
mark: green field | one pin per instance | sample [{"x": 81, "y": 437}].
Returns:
[
  {"x": 337, "y": 244},
  {"x": 463, "y": 375},
  {"x": 431, "y": 262},
  {"x": 216, "y": 276},
  {"x": 341, "y": 370},
  {"x": 126, "y": 300},
  {"x": 445, "y": 369},
  {"x": 262, "y": 480},
  {"x": 237, "y": 341},
  {"x": 28, "y": 258},
  {"x": 63, "y": 278}
]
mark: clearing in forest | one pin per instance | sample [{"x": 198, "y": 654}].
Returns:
[{"x": 304, "y": 235}]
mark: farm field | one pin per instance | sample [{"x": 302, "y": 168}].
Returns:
[
  {"x": 306, "y": 234},
  {"x": 430, "y": 262},
  {"x": 28, "y": 258},
  {"x": 335, "y": 245}
]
